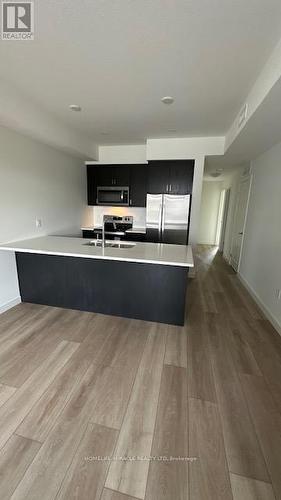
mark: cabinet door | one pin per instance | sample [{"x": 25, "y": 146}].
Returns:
[
  {"x": 91, "y": 235},
  {"x": 181, "y": 177},
  {"x": 121, "y": 175},
  {"x": 138, "y": 185},
  {"x": 92, "y": 184},
  {"x": 113, "y": 175},
  {"x": 135, "y": 237},
  {"x": 104, "y": 175},
  {"x": 158, "y": 177}
]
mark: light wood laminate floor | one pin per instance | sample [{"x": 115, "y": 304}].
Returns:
[{"x": 76, "y": 385}]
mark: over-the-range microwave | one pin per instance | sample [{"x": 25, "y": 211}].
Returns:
[{"x": 109, "y": 195}]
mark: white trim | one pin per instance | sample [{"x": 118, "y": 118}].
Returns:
[
  {"x": 11, "y": 303},
  {"x": 275, "y": 323},
  {"x": 245, "y": 179},
  {"x": 242, "y": 180}
]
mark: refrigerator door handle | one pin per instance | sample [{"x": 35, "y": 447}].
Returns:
[
  {"x": 159, "y": 219},
  {"x": 163, "y": 218}
]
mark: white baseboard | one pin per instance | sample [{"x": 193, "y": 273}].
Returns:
[
  {"x": 275, "y": 323},
  {"x": 11, "y": 303}
]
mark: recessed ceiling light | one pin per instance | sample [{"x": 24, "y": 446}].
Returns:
[
  {"x": 217, "y": 172},
  {"x": 167, "y": 99},
  {"x": 75, "y": 107}
]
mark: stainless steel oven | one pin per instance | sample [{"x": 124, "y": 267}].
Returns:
[{"x": 113, "y": 195}]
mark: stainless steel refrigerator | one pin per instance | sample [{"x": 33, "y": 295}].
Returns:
[{"x": 167, "y": 218}]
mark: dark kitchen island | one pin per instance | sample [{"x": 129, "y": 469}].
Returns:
[{"x": 144, "y": 281}]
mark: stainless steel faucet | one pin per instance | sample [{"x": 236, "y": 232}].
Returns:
[{"x": 103, "y": 233}]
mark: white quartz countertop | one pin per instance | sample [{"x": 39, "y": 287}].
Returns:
[
  {"x": 150, "y": 253},
  {"x": 139, "y": 230}
]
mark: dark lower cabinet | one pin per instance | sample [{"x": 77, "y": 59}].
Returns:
[
  {"x": 150, "y": 292},
  {"x": 140, "y": 237},
  {"x": 89, "y": 234}
]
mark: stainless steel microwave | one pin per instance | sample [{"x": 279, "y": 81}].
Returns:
[{"x": 113, "y": 195}]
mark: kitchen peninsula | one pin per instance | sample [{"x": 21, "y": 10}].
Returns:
[{"x": 139, "y": 280}]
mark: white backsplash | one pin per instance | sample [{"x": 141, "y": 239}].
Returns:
[{"x": 138, "y": 213}]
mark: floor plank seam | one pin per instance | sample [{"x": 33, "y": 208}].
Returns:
[
  {"x": 18, "y": 483},
  {"x": 129, "y": 398},
  {"x": 72, "y": 460},
  {"x": 37, "y": 401},
  {"x": 157, "y": 408}
]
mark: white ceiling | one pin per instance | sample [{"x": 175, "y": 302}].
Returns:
[{"x": 117, "y": 58}]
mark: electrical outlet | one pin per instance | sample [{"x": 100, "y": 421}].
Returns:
[
  {"x": 278, "y": 294},
  {"x": 38, "y": 223}
]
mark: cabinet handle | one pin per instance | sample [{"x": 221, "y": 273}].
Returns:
[
  {"x": 170, "y": 187},
  {"x": 130, "y": 202},
  {"x": 167, "y": 188}
]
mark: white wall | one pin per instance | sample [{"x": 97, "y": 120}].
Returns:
[
  {"x": 122, "y": 154},
  {"x": 210, "y": 202},
  {"x": 181, "y": 148},
  {"x": 260, "y": 265},
  {"x": 35, "y": 181}
]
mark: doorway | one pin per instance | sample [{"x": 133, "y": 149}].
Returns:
[
  {"x": 239, "y": 222},
  {"x": 222, "y": 218}
]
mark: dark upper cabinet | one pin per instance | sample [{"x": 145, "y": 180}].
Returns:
[
  {"x": 181, "y": 177},
  {"x": 158, "y": 177},
  {"x": 92, "y": 184},
  {"x": 170, "y": 177},
  {"x": 138, "y": 185},
  {"x": 106, "y": 175},
  {"x": 113, "y": 175},
  {"x": 120, "y": 175}
]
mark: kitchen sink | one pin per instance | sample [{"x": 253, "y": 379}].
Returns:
[
  {"x": 97, "y": 243},
  {"x": 123, "y": 245},
  {"x": 109, "y": 244}
]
